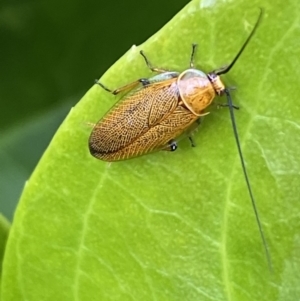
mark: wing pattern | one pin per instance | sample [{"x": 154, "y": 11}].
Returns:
[
  {"x": 133, "y": 116},
  {"x": 156, "y": 137}
]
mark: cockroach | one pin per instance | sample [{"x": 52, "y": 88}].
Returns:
[{"x": 160, "y": 109}]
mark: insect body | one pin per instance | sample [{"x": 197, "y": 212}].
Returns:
[
  {"x": 151, "y": 118},
  {"x": 157, "y": 110}
]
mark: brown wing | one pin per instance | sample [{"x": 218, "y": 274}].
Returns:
[
  {"x": 133, "y": 116},
  {"x": 156, "y": 137}
]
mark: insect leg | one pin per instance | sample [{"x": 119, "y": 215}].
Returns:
[
  {"x": 192, "y": 141},
  {"x": 129, "y": 86},
  {"x": 190, "y": 131},
  {"x": 194, "y": 47},
  {"x": 149, "y": 65},
  {"x": 171, "y": 146},
  {"x": 222, "y": 105}
]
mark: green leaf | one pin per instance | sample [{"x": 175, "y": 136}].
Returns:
[{"x": 174, "y": 226}]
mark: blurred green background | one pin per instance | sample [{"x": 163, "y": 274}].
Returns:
[{"x": 50, "y": 54}]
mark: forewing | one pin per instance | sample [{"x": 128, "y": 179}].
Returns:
[
  {"x": 133, "y": 116},
  {"x": 157, "y": 137}
]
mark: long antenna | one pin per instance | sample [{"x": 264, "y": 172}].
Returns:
[
  {"x": 231, "y": 108},
  {"x": 227, "y": 68}
]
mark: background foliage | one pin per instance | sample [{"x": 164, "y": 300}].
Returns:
[
  {"x": 50, "y": 55},
  {"x": 165, "y": 226}
]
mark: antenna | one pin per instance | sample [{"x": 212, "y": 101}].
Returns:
[
  {"x": 231, "y": 107},
  {"x": 225, "y": 69}
]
